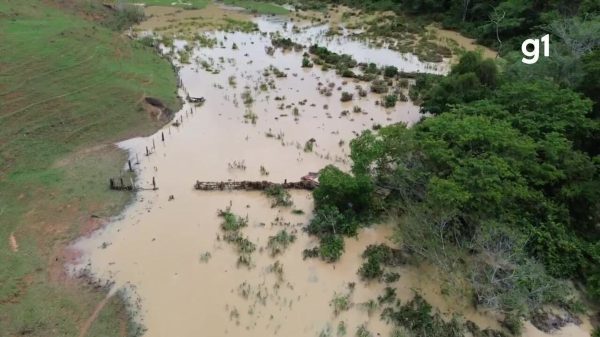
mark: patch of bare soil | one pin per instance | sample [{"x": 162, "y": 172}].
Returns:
[{"x": 12, "y": 241}]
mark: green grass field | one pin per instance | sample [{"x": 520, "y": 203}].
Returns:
[
  {"x": 254, "y": 6},
  {"x": 258, "y": 7},
  {"x": 67, "y": 84}
]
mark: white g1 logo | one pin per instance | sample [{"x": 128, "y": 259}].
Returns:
[{"x": 532, "y": 56}]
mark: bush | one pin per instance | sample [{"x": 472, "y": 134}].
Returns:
[
  {"x": 346, "y": 192},
  {"x": 379, "y": 87},
  {"x": 231, "y": 222},
  {"x": 348, "y": 73},
  {"x": 390, "y": 71},
  {"x": 125, "y": 16},
  {"x": 310, "y": 253},
  {"x": 389, "y": 101},
  {"x": 280, "y": 196},
  {"x": 280, "y": 241},
  {"x": 513, "y": 323},
  {"x": 371, "y": 269},
  {"x": 346, "y": 97},
  {"x": 331, "y": 248},
  {"x": 377, "y": 255},
  {"x": 306, "y": 63}
]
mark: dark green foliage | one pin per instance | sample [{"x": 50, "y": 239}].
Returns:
[
  {"x": 418, "y": 317},
  {"x": 390, "y": 71},
  {"x": 507, "y": 155},
  {"x": 337, "y": 61},
  {"x": 391, "y": 277},
  {"x": 348, "y": 73},
  {"x": 423, "y": 83},
  {"x": 388, "y": 296},
  {"x": 310, "y": 253},
  {"x": 471, "y": 79},
  {"x": 376, "y": 256},
  {"x": 371, "y": 269},
  {"x": 285, "y": 44},
  {"x": 331, "y": 247},
  {"x": 389, "y": 101},
  {"x": 346, "y": 96},
  {"x": 329, "y": 220},
  {"x": 306, "y": 63},
  {"x": 349, "y": 194}
]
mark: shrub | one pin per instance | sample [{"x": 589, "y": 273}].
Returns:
[
  {"x": 513, "y": 323},
  {"x": 379, "y": 87},
  {"x": 362, "y": 331},
  {"x": 231, "y": 222},
  {"x": 279, "y": 242},
  {"x": 331, "y": 248},
  {"x": 389, "y": 101},
  {"x": 346, "y": 96},
  {"x": 280, "y": 196},
  {"x": 371, "y": 269},
  {"x": 306, "y": 63},
  {"x": 348, "y": 73},
  {"x": 344, "y": 191},
  {"x": 340, "y": 302},
  {"x": 390, "y": 71},
  {"x": 310, "y": 253},
  {"x": 125, "y": 16}
]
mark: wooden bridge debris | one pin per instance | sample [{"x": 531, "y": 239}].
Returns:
[{"x": 253, "y": 185}]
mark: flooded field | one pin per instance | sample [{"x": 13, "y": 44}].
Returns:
[{"x": 265, "y": 118}]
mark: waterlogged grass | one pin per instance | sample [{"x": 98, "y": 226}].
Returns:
[
  {"x": 66, "y": 85},
  {"x": 258, "y": 6}
]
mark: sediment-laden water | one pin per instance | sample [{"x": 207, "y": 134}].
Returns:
[{"x": 166, "y": 250}]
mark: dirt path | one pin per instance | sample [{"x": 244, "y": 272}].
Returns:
[{"x": 88, "y": 323}]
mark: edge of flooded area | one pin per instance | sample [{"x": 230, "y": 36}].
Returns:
[{"x": 142, "y": 178}]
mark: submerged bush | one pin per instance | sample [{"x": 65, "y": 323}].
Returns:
[
  {"x": 379, "y": 87},
  {"x": 389, "y": 101},
  {"x": 331, "y": 247},
  {"x": 280, "y": 196},
  {"x": 278, "y": 243},
  {"x": 346, "y": 97}
]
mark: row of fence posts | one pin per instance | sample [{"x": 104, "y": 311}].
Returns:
[{"x": 122, "y": 186}]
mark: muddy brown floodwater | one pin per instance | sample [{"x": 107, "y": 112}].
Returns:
[{"x": 166, "y": 256}]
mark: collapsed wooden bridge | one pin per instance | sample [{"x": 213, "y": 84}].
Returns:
[{"x": 253, "y": 185}]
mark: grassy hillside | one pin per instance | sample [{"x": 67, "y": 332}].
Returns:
[{"x": 68, "y": 87}]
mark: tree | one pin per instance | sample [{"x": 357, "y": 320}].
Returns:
[{"x": 349, "y": 194}]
